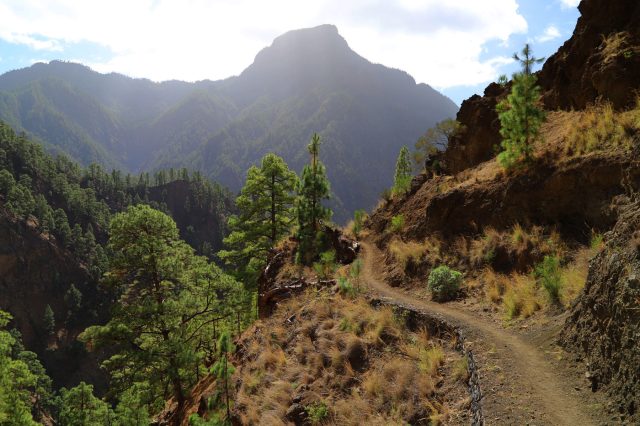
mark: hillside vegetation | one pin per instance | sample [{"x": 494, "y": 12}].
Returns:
[{"x": 309, "y": 81}]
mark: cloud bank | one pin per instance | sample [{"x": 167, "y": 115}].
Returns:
[{"x": 440, "y": 43}]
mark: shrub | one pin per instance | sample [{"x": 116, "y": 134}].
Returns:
[
  {"x": 317, "y": 412},
  {"x": 359, "y": 217},
  {"x": 397, "y": 223},
  {"x": 597, "y": 242},
  {"x": 444, "y": 283},
  {"x": 548, "y": 276},
  {"x": 327, "y": 264},
  {"x": 345, "y": 287},
  {"x": 355, "y": 269}
]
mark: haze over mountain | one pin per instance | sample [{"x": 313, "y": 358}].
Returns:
[{"x": 307, "y": 81}]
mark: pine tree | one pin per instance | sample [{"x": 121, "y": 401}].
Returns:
[
  {"x": 223, "y": 370},
  {"x": 402, "y": 177},
  {"x": 312, "y": 190},
  {"x": 80, "y": 407},
  {"x": 16, "y": 381},
  {"x": 520, "y": 114},
  {"x": 266, "y": 215},
  {"x": 49, "y": 320},
  {"x": 169, "y": 301}
]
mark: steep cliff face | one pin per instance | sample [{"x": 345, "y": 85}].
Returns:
[
  {"x": 599, "y": 63},
  {"x": 35, "y": 272},
  {"x": 604, "y": 326}
]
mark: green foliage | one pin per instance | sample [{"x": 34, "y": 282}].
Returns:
[
  {"x": 434, "y": 140},
  {"x": 549, "y": 277},
  {"x": 346, "y": 288},
  {"x": 169, "y": 301},
  {"x": 16, "y": 381},
  {"x": 326, "y": 266},
  {"x": 397, "y": 223},
  {"x": 132, "y": 409},
  {"x": 317, "y": 412},
  {"x": 223, "y": 370},
  {"x": 266, "y": 215},
  {"x": 358, "y": 220},
  {"x": 213, "y": 420},
  {"x": 49, "y": 320},
  {"x": 7, "y": 182},
  {"x": 520, "y": 115},
  {"x": 597, "y": 241},
  {"x": 312, "y": 190},
  {"x": 80, "y": 407},
  {"x": 402, "y": 177},
  {"x": 444, "y": 283},
  {"x": 355, "y": 269}
]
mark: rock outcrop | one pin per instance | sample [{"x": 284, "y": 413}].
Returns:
[
  {"x": 480, "y": 136},
  {"x": 547, "y": 193},
  {"x": 599, "y": 63},
  {"x": 275, "y": 284},
  {"x": 604, "y": 325}
]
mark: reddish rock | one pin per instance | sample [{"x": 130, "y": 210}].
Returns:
[{"x": 600, "y": 62}]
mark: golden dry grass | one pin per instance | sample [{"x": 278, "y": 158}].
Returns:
[{"x": 363, "y": 363}]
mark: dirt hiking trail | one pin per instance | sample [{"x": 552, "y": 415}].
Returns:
[{"x": 521, "y": 384}]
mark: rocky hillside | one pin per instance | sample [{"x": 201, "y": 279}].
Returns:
[
  {"x": 604, "y": 326},
  {"x": 523, "y": 238},
  {"x": 325, "y": 353},
  {"x": 307, "y": 81},
  {"x": 599, "y": 63}
]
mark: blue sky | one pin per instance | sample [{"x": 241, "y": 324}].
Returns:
[{"x": 458, "y": 46}]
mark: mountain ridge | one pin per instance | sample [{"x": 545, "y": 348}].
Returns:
[{"x": 306, "y": 81}]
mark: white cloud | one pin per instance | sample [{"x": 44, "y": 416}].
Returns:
[
  {"x": 550, "y": 33},
  {"x": 440, "y": 43},
  {"x": 569, "y": 3}
]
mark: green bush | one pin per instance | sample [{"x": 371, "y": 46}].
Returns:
[
  {"x": 345, "y": 287},
  {"x": 397, "y": 223},
  {"x": 317, "y": 412},
  {"x": 444, "y": 283},
  {"x": 549, "y": 277},
  {"x": 327, "y": 265}
]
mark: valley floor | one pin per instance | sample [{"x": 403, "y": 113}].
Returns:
[{"x": 525, "y": 378}]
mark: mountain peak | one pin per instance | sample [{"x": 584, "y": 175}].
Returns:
[{"x": 311, "y": 44}]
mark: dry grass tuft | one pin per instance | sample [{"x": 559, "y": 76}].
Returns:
[
  {"x": 574, "y": 275},
  {"x": 359, "y": 361},
  {"x": 405, "y": 252},
  {"x": 617, "y": 44},
  {"x": 599, "y": 127}
]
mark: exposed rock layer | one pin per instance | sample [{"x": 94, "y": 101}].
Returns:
[{"x": 604, "y": 326}]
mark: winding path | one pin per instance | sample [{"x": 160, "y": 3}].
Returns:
[{"x": 520, "y": 383}]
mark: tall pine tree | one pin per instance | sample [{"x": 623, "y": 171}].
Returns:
[
  {"x": 520, "y": 113},
  {"x": 169, "y": 301},
  {"x": 266, "y": 215},
  {"x": 312, "y": 190},
  {"x": 402, "y": 177}
]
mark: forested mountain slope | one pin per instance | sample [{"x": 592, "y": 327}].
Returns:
[
  {"x": 54, "y": 218},
  {"x": 307, "y": 81}
]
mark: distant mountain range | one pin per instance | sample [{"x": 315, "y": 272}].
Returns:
[{"x": 307, "y": 81}]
